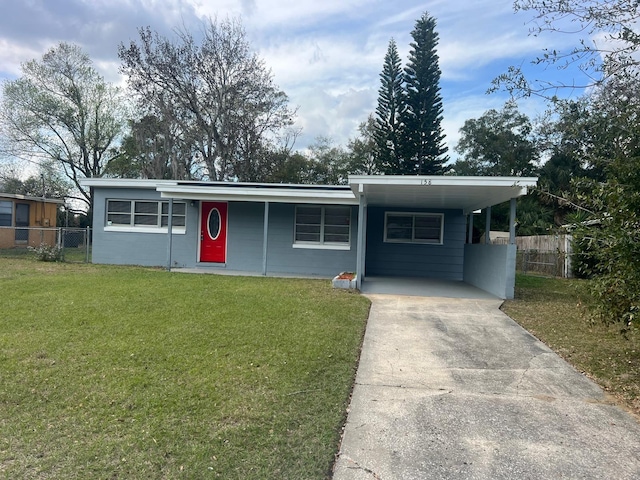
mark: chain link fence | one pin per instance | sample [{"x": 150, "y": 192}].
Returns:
[
  {"x": 548, "y": 255},
  {"x": 72, "y": 244}
]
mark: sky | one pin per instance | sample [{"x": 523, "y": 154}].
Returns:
[{"x": 325, "y": 55}]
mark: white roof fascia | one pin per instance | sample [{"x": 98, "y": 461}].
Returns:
[
  {"x": 441, "y": 180},
  {"x": 18, "y": 196},
  {"x": 124, "y": 182},
  {"x": 276, "y": 195},
  {"x": 249, "y": 192},
  {"x": 498, "y": 189}
]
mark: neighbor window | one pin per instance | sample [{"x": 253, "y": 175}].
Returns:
[
  {"x": 403, "y": 227},
  {"x": 322, "y": 226},
  {"x": 141, "y": 214},
  {"x": 6, "y": 213}
]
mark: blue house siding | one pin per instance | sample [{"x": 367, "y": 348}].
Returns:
[
  {"x": 244, "y": 240},
  {"x": 282, "y": 257},
  {"x": 133, "y": 248},
  {"x": 491, "y": 268},
  {"x": 245, "y": 236},
  {"x": 444, "y": 261}
]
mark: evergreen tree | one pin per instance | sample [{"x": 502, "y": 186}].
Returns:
[
  {"x": 391, "y": 107},
  {"x": 423, "y": 139}
]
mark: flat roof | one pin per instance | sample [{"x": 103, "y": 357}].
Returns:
[
  {"x": 235, "y": 191},
  {"x": 402, "y": 191},
  {"x": 17, "y": 196},
  {"x": 439, "y": 192}
]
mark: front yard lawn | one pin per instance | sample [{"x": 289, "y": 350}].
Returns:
[
  {"x": 122, "y": 372},
  {"x": 556, "y": 311}
]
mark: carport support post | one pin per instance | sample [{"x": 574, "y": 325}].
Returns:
[
  {"x": 265, "y": 235},
  {"x": 362, "y": 226},
  {"x": 487, "y": 228},
  {"x": 512, "y": 221},
  {"x": 170, "y": 233},
  {"x": 470, "y": 234}
]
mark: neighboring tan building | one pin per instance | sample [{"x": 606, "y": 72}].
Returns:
[{"x": 27, "y": 221}]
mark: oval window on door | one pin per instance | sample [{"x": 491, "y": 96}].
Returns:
[{"x": 214, "y": 224}]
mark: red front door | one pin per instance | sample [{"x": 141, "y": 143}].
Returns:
[{"x": 213, "y": 232}]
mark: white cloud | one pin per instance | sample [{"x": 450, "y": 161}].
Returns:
[
  {"x": 13, "y": 54},
  {"x": 325, "y": 55},
  {"x": 280, "y": 14}
]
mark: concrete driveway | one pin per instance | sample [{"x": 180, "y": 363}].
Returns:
[{"x": 453, "y": 388}]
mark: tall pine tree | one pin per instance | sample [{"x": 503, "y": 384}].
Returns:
[
  {"x": 423, "y": 140},
  {"x": 391, "y": 107}
]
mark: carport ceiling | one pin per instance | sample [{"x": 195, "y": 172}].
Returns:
[{"x": 439, "y": 192}]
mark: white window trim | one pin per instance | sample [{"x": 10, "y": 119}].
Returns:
[
  {"x": 132, "y": 228},
  {"x": 414, "y": 241},
  {"x": 147, "y": 229},
  {"x": 321, "y": 245}
]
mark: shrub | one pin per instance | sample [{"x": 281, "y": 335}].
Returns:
[
  {"x": 585, "y": 261},
  {"x": 47, "y": 253},
  {"x": 613, "y": 245}
]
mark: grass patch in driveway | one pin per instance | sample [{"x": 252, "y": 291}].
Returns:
[
  {"x": 556, "y": 311},
  {"x": 119, "y": 372}
]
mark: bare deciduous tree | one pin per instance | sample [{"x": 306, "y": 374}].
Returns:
[{"x": 218, "y": 92}]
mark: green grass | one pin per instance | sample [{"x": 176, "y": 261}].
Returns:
[
  {"x": 557, "y": 312},
  {"x": 16, "y": 252},
  {"x": 120, "y": 372},
  {"x": 71, "y": 255}
]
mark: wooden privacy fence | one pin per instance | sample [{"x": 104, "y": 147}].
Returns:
[{"x": 544, "y": 254}]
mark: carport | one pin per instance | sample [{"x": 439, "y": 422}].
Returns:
[
  {"x": 423, "y": 287},
  {"x": 421, "y": 227}
]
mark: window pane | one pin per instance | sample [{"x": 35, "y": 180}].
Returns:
[
  {"x": 214, "y": 224},
  {"x": 119, "y": 219},
  {"x": 308, "y": 221},
  {"x": 119, "y": 206},
  {"x": 177, "y": 221},
  {"x": 179, "y": 208},
  {"x": 399, "y": 227},
  {"x": 146, "y": 214},
  {"x": 308, "y": 233},
  {"x": 432, "y": 221},
  {"x": 336, "y": 234},
  {"x": 427, "y": 228},
  {"x": 147, "y": 207},
  {"x": 146, "y": 220},
  {"x": 308, "y": 215},
  {"x": 336, "y": 238},
  {"x": 337, "y": 215},
  {"x": 6, "y": 211}
]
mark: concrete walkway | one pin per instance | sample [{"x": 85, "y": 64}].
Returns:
[{"x": 453, "y": 388}]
